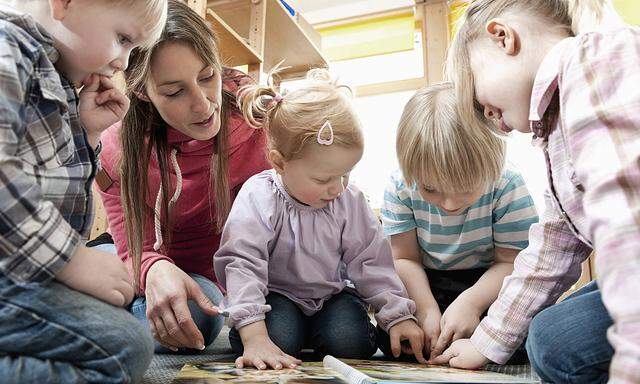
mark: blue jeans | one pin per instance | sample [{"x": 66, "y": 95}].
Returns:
[
  {"x": 567, "y": 342},
  {"x": 53, "y": 334},
  {"x": 341, "y": 328},
  {"x": 209, "y": 326}
]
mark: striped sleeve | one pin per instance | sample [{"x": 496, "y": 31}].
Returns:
[
  {"x": 513, "y": 213},
  {"x": 397, "y": 211}
]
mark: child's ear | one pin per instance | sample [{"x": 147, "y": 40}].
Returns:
[
  {"x": 277, "y": 160},
  {"x": 503, "y": 36},
  {"x": 59, "y": 8}
]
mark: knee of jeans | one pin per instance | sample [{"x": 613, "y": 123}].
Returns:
[
  {"x": 540, "y": 345},
  {"x": 289, "y": 341},
  {"x": 136, "y": 349},
  {"x": 348, "y": 341}
]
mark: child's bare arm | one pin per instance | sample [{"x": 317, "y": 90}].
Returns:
[
  {"x": 485, "y": 291},
  {"x": 406, "y": 256},
  {"x": 463, "y": 315}
]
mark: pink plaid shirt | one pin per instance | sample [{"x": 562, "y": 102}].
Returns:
[{"x": 585, "y": 110}]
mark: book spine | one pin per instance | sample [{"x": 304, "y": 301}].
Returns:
[{"x": 352, "y": 375}]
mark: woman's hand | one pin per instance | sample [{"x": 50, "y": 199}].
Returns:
[{"x": 167, "y": 290}]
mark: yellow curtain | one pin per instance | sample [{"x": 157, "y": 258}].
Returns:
[
  {"x": 629, "y": 10},
  {"x": 371, "y": 37}
]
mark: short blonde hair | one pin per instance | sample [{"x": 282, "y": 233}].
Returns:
[
  {"x": 435, "y": 149},
  {"x": 155, "y": 12},
  {"x": 561, "y": 16},
  {"x": 294, "y": 119}
]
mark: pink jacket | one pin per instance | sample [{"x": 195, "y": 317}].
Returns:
[{"x": 193, "y": 238}]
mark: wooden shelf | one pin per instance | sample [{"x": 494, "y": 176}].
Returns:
[
  {"x": 235, "y": 50},
  {"x": 286, "y": 40},
  {"x": 282, "y": 36}
]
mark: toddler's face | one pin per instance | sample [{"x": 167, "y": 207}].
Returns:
[
  {"x": 321, "y": 175},
  {"x": 93, "y": 37}
]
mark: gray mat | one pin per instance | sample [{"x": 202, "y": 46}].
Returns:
[{"x": 164, "y": 368}]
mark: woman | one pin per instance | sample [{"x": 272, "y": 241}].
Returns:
[{"x": 170, "y": 171}]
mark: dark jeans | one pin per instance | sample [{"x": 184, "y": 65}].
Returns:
[
  {"x": 446, "y": 286},
  {"x": 567, "y": 342},
  {"x": 341, "y": 328}
]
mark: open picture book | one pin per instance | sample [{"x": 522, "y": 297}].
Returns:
[{"x": 332, "y": 370}]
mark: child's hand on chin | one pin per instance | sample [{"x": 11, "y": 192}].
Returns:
[
  {"x": 461, "y": 354},
  {"x": 101, "y": 105},
  {"x": 262, "y": 353}
]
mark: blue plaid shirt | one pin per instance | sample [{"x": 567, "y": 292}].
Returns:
[{"x": 46, "y": 164}]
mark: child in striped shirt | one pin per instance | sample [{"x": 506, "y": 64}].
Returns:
[{"x": 456, "y": 216}]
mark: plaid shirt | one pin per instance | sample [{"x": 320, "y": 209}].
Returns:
[
  {"x": 585, "y": 110},
  {"x": 46, "y": 165}
]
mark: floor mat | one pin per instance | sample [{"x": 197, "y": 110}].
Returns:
[{"x": 164, "y": 368}]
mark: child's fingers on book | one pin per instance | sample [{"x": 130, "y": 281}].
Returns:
[
  {"x": 274, "y": 362},
  {"x": 443, "y": 340},
  {"x": 417, "y": 346},
  {"x": 395, "y": 344},
  {"x": 258, "y": 363},
  {"x": 240, "y": 362}
]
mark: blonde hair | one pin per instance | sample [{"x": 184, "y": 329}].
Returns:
[
  {"x": 564, "y": 16},
  {"x": 434, "y": 149},
  {"x": 294, "y": 119},
  {"x": 144, "y": 132},
  {"x": 154, "y": 11}
]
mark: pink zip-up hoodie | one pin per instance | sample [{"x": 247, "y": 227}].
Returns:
[{"x": 193, "y": 236}]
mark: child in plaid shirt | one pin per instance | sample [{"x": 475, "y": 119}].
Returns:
[{"x": 59, "y": 315}]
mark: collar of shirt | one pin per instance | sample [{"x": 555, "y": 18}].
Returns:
[
  {"x": 544, "y": 89},
  {"x": 35, "y": 30}
]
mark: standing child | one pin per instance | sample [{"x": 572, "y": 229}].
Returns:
[
  {"x": 291, "y": 229},
  {"x": 456, "y": 218},
  {"x": 59, "y": 315},
  {"x": 580, "y": 97}
]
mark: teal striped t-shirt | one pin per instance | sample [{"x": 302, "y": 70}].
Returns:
[{"x": 501, "y": 217}]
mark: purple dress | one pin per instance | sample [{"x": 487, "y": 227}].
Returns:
[{"x": 273, "y": 243}]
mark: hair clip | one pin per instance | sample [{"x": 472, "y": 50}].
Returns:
[
  {"x": 277, "y": 98},
  {"x": 321, "y": 133}
]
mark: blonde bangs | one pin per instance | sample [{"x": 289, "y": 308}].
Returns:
[{"x": 436, "y": 150}]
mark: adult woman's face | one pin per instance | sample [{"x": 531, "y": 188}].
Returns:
[{"x": 186, "y": 91}]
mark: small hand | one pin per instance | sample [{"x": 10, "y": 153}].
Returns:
[
  {"x": 99, "y": 274},
  {"x": 458, "y": 321},
  {"x": 263, "y": 353},
  {"x": 407, "y": 330},
  {"x": 430, "y": 324},
  {"x": 461, "y": 354},
  {"x": 101, "y": 105}
]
